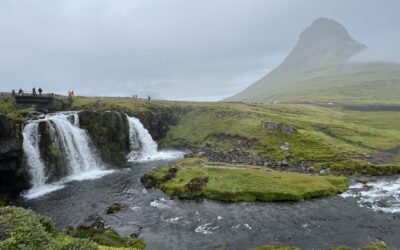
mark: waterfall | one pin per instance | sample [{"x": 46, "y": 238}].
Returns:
[
  {"x": 81, "y": 160},
  {"x": 143, "y": 147},
  {"x": 31, "y": 148},
  {"x": 68, "y": 153},
  {"x": 75, "y": 143}
]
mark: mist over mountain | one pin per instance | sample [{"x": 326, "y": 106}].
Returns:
[{"x": 320, "y": 69}]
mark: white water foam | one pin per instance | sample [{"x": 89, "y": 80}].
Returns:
[
  {"x": 206, "y": 228},
  {"x": 382, "y": 195},
  {"x": 37, "y": 191},
  {"x": 161, "y": 203},
  {"x": 144, "y": 148},
  {"x": 174, "y": 219},
  {"x": 81, "y": 159}
]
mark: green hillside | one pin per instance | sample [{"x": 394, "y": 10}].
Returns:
[{"x": 321, "y": 69}]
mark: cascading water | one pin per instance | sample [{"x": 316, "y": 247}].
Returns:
[
  {"x": 143, "y": 147},
  {"x": 75, "y": 143},
  {"x": 381, "y": 195},
  {"x": 81, "y": 160},
  {"x": 31, "y": 149}
]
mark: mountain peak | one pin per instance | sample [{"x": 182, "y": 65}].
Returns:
[{"x": 324, "y": 43}]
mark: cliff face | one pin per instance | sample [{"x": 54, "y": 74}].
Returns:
[
  {"x": 109, "y": 132},
  {"x": 13, "y": 176},
  {"x": 51, "y": 152},
  {"x": 157, "y": 120}
]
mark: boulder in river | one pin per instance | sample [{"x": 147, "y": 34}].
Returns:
[
  {"x": 114, "y": 208},
  {"x": 93, "y": 221}
]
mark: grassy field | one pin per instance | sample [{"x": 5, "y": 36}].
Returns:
[
  {"x": 345, "y": 141},
  {"x": 363, "y": 83},
  {"x": 232, "y": 182}
]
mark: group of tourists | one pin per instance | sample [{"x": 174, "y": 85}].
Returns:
[
  {"x": 21, "y": 92},
  {"x": 71, "y": 93},
  {"x": 148, "y": 97}
]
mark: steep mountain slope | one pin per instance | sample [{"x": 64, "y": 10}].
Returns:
[{"x": 320, "y": 69}]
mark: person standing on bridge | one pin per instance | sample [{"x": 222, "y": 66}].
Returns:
[
  {"x": 34, "y": 91},
  {"x": 40, "y": 91}
]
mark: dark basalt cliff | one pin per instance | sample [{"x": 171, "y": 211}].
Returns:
[
  {"x": 109, "y": 132},
  {"x": 13, "y": 176},
  {"x": 51, "y": 152}
]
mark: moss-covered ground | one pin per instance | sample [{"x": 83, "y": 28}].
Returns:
[
  {"x": 234, "y": 182},
  {"x": 23, "y": 229},
  {"x": 378, "y": 245},
  {"x": 7, "y": 108},
  {"x": 344, "y": 141}
]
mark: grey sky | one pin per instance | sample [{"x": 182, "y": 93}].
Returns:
[{"x": 170, "y": 49}]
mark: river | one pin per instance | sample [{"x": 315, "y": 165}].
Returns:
[{"x": 205, "y": 224}]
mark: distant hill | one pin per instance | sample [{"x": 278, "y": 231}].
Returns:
[{"x": 320, "y": 69}]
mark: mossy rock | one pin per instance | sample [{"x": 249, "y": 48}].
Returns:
[
  {"x": 109, "y": 131},
  {"x": 106, "y": 237},
  {"x": 114, "y": 208},
  {"x": 51, "y": 152}
]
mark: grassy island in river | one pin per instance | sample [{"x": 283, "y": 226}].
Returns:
[{"x": 194, "y": 177}]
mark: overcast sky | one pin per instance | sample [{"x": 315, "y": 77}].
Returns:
[{"x": 170, "y": 49}]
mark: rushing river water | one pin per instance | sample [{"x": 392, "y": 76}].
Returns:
[{"x": 205, "y": 224}]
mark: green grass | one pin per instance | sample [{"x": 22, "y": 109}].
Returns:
[
  {"x": 328, "y": 137},
  {"x": 324, "y": 135},
  {"x": 7, "y": 108},
  {"x": 107, "y": 237},
  {"x": 227, "y": 182},
  {"x": 23, "y": 229},
  {"x": 350, "y": 83}
]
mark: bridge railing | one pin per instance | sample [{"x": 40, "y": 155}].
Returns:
[{"x": 30, "y": 94}]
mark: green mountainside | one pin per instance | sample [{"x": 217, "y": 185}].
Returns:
[{"x": 320, "y": 69}]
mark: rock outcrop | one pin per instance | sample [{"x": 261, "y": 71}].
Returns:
[
  {"x": 51, "y": 152},
  {"x": 285, "y": 128},
  {"x": 13, "y": 177},
  {"x": 109, "y": 132}
]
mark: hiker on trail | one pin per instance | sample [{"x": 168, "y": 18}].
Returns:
[
  {"x": 69, "y": 93},
  {"x": 20, "y": 92},
  {"x": 72, "y": 93},
  {"x": 40, "y": 91},
  {"x": 34, "y": 91},
  {"x": 149, "y": 98}
]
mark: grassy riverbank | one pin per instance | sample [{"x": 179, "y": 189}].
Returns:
[
  {"x": 23, "y": 229},
  {"x": 193, "y": 177}
]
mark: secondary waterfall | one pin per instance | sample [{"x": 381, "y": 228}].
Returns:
[
  {"x": 74, "y": 143},
  {"x": 143, "y": 147}
]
